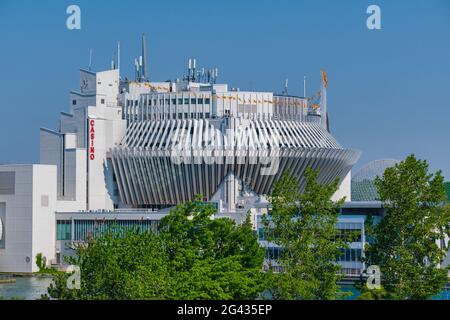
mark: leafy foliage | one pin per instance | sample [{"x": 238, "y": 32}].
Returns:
[
  {"x": 216, "y": 258},
  {"x": 304, "y": 225},
  {"x": 405, "y": 244},
  {"x": 191, "y": 257},
  {"x": 41, "y": 262}
]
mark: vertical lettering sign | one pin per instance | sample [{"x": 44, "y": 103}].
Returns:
[{"x": 91, "y": 139}]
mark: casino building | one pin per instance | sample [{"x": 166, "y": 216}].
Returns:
[{"x": 127, "y": 151}]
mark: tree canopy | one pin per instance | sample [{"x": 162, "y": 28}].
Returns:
[
  {"x": 303, "y": 224},
  {"x": 192, "y": 256}
]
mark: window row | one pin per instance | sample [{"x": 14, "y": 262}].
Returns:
[
  {"x": 85, "y": 229},
  {"x": 350, "y": 255},
  {"x": 173, "y": 101}
]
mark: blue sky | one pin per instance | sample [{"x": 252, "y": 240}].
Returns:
[{"x": 389, "y": 89}]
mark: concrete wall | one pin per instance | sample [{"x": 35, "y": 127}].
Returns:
[
  {"x": 344, "y": 189},
  {"x": 29, "y": 213},
  {"x": 51, "y": 152},
  {"x": 43, "y": 212}
]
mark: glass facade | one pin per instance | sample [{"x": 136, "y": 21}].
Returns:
[
  {"x": 64, "y": 230},
  {"x": 350, "y": 255},
  {"x": 447, "y": 190},
  {"x": 86, "y": 229},
  {"x": 273, "y": 253},
  {"x": 350, "y": 231}
]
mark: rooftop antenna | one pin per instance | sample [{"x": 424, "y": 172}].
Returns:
[
  {"x": 304, "y": 86},
  {"x": 90, "y": 59},
  {"x": 203, "y": 74},
  {"x": 144, "y": 55},
  {"x": 118, "y": 55},
  {"x": 286, "y": 82},
  {"x": 323, "y": 101},
  {"x": 193, "y": 69},
  {"x": 214, "y": 75},
  {"x": 136, "y": 66},
  {"x": 141, "y": 72},
  {"x": 189, "y": 69}
]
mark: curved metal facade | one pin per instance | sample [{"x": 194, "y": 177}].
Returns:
[{"x": 167, "y": 162}]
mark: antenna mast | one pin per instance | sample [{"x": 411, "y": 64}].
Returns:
[
  {"x": 285, "y": 92},
  {"x": 144, "y": 56},
  {"x": 304, "y": 86},
  {"x": 118, "y": 55},
  {"x": 323, "y": 101},
  {"x": 90, "y": 59}
]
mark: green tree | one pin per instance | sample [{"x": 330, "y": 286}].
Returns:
[
  {"x": 193, "y": 256},
  {"x": 304, "y": 225},
  {"x": 41, "y": 262},
  {"x": 120, "y": 264},
  {"x": 405, "y": 243}
]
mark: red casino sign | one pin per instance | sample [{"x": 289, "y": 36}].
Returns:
[{"x": 91, "y": 139}]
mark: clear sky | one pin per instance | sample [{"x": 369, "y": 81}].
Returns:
[{"x": 389, "y": 89}]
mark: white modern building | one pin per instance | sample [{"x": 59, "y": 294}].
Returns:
[{"x": 128, "y": 151}]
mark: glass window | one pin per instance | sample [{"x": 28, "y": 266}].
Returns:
[
  {"x": 358, "y": 255},
  {"x": 347, "y": 255},
  {"x": 261, "y": 233},
  {"x": 63, "y": 230}
]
